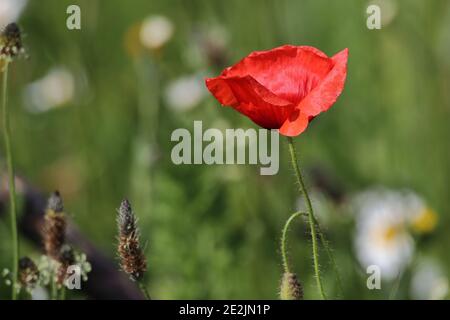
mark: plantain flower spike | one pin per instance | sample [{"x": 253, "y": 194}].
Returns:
[
  {"x": 10, "y": 43},
  {"x": 132, "y": 260},
  {"x": 28, "y": 273},
  {"x": 54, "y": 226}
]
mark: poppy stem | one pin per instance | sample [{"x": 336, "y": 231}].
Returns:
[
  {"x": 11, "y": 187},
  {"x": 329, "y": 252},
  {"x": 284, "y": 241},
  {"x": 323, "y": 239},
  {"x": 311, "y": 218}
]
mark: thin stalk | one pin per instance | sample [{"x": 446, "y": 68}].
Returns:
[
  {"x": 327, "y": 247},
  {"x": 62, "y": 293},
  {"x": 53, "y": 288},
  {"x": 311, "y": 218},
  {"x": 329, "y": 252},
  {"x": 12, "y": 186},
  {"x": 284, "y": 242},
  {"x": 144, "y": 290},
  {"x": 395, "y": 286}
]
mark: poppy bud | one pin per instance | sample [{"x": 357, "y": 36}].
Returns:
[
  {"x": 132, "y": 260},
  {"x": 54, "y": 231},
  {"x": 28, "y": 273},
  {"x": 290, "y": 288}
]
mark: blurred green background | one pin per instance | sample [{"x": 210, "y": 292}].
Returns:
[{"x": 212, "y": 232}]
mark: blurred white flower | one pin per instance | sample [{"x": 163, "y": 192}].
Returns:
[
  {"x": 217, "y": 36},
  {"x": 421, "y": 219},
  {"x": 55, "y": 89},
  {"x": 155, "y": 31},
  {"x": 185, "y": 92},
  {"x": 10, "y": 10},
  {"x": 39, "y": 293},
  {"x": 429, "y": 281},
  {"x": 384, "y": 219}
]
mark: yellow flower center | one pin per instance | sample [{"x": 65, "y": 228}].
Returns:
[
  {"x": 387, "y": 235},
  {"x": 390, "y": 233},
  {"x": 425, "y": 222}
]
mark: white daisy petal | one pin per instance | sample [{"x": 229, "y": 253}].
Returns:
[
  {"x": 382, "y": 235},
  {"x": 429, "y": 281}
]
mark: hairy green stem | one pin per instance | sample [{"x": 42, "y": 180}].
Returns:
[
  {"x": 284, "y": 242},
  {"x": 311, "y": 217},
  {"x": 329, "y": 252},
  {"x": 12, "y": 186}
]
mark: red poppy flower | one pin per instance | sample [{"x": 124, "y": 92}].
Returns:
[{"x": 283, "y": 88}]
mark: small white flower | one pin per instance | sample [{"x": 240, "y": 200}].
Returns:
[
  {"x": 185, "y": 92},
  {"x": 155, "y": 31},
  {"x": 55, "y": 89},
  {"x": 10, "y": 10},
  {"x": 45, "y": 265},
  {"x": 428, "y": 281},
  {"x": 382, "y": 229},
  {"x": 85, "y": 266}
]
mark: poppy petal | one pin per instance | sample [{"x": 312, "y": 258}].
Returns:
[
  {"x": 322, "y": 97},
  {"x": 288, "y": 71},
  {"x": 221, "y": 91},
  {"x": 283, "y": 88},
  {"x": 252, "y": 99},
  {"x": 295, "y": 124}
]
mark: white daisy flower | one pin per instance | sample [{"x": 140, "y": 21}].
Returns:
[
  {"x": 185, "y": 93},
  {"x": 384, "y": 221},
  {"x": 429, "y": 281},
  {"x": 155, "y": 31},
  {"x": 53, "y": 90}
]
